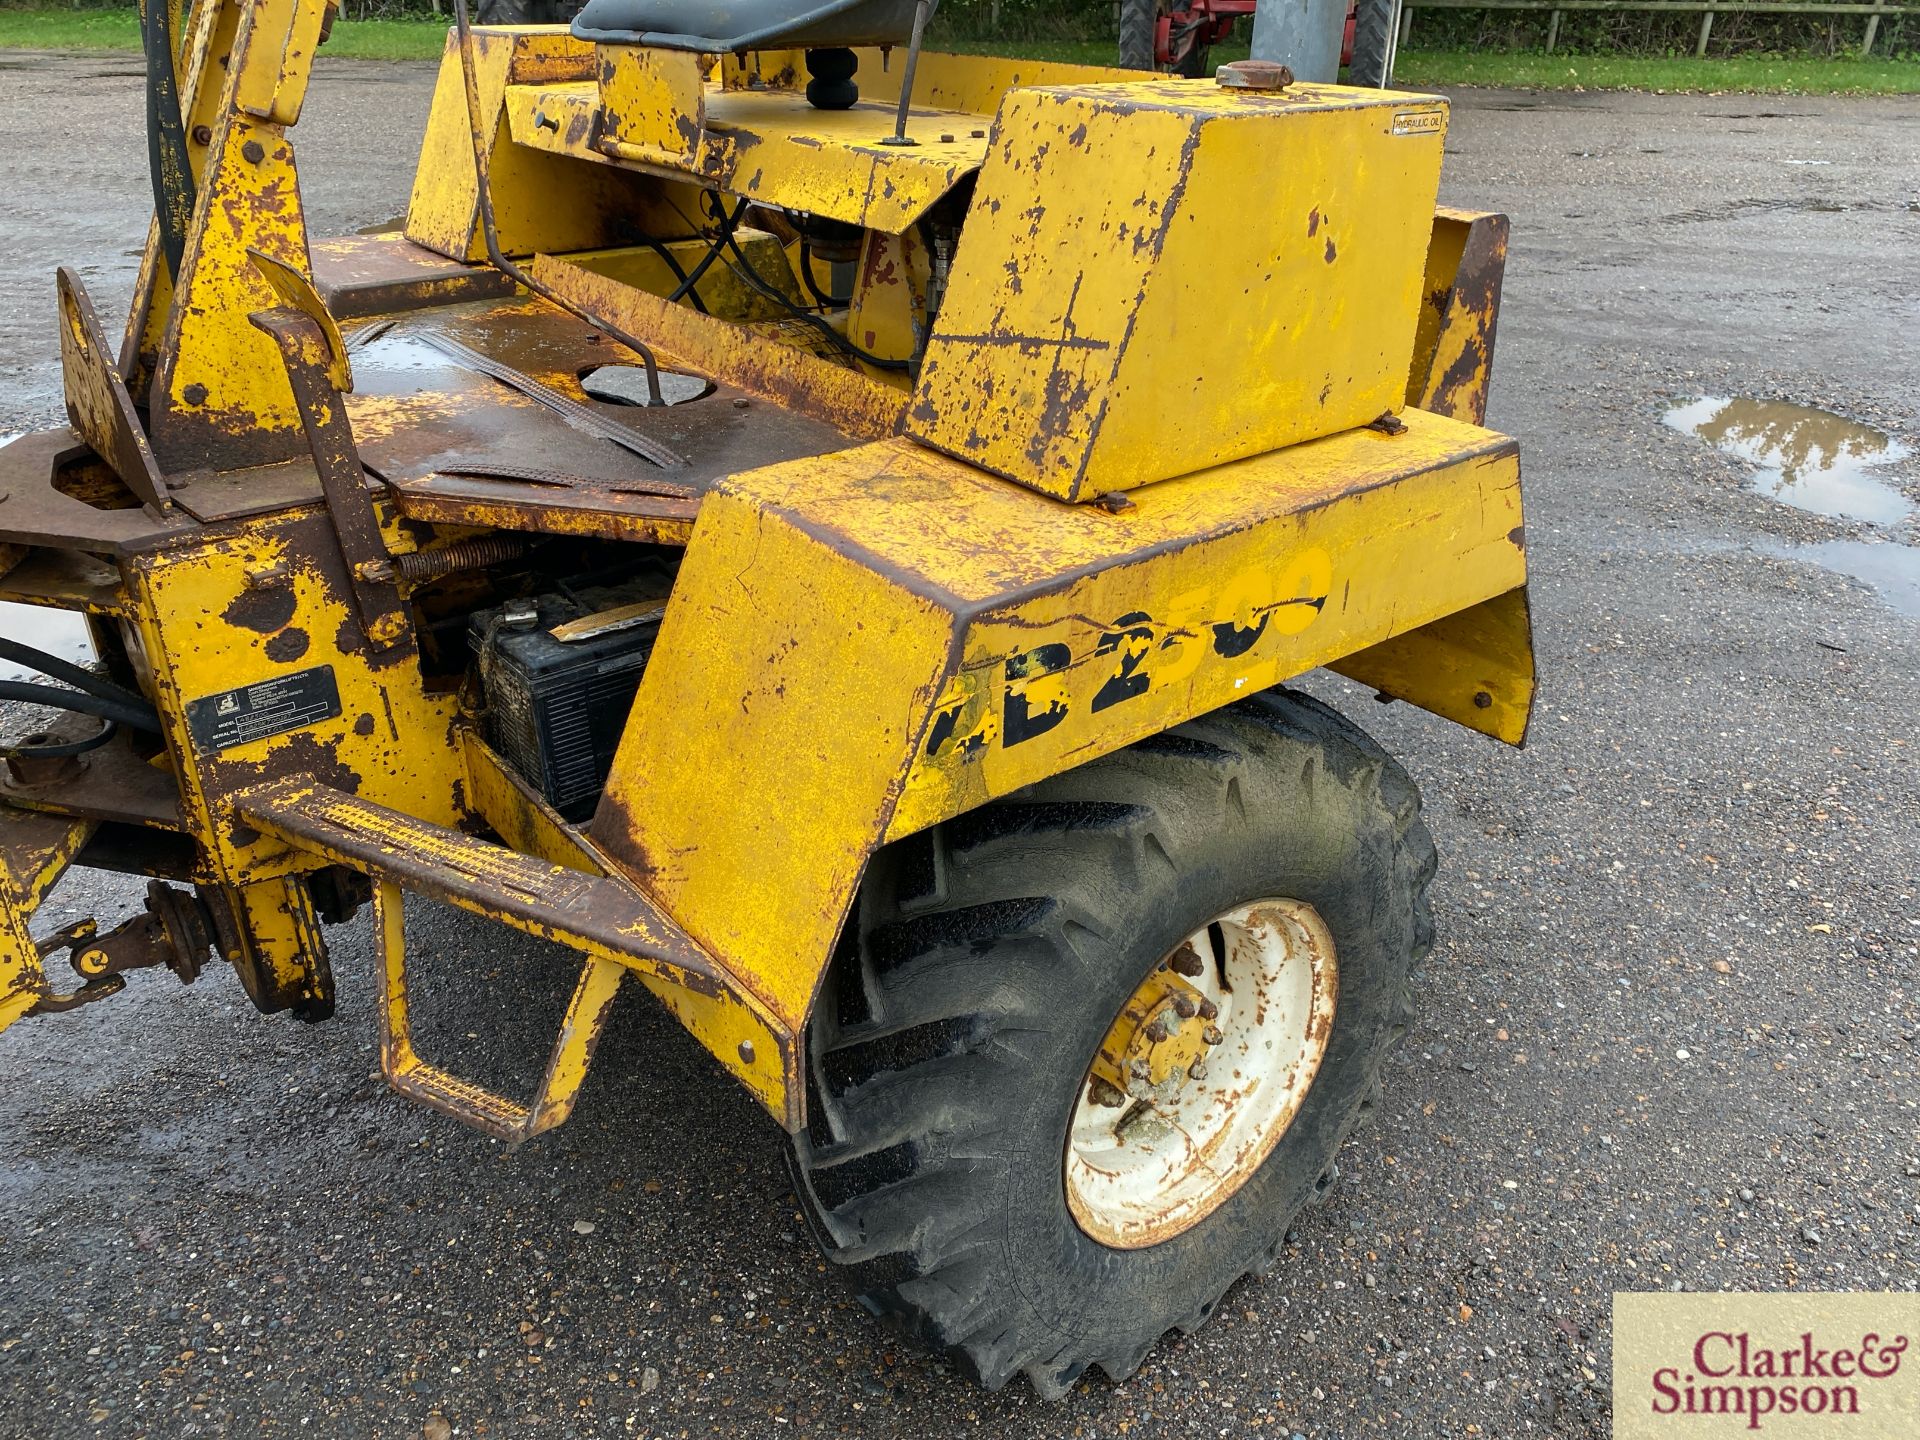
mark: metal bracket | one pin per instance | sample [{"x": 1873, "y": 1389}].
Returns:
[
  {"x": 465, "y": 1101},
  {"x": 98, "y": 402},
  {"x": 311, "y": 352}
]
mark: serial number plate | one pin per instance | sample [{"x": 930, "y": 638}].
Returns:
[{"x": 266, "y": 707}]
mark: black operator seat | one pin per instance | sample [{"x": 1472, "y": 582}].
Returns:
[{"x": 730, "y": 26}]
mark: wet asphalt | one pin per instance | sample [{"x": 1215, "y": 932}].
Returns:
[{"x": 1669, "y": 1033}]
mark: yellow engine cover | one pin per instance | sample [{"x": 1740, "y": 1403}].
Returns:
[{"x": 1163, "y": 276}]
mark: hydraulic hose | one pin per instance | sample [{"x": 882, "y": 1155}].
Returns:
[
  {"x": 82, "y": 703},
  {"x": 75, "y": 675},
  {"x": 168, "y": 164}
]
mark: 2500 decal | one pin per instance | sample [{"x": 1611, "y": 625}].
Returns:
[{"x": 1035, "y": 691}]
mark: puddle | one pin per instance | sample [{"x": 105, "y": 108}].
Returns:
[
  {"x": 1892, "y": 570},
  {"x": 1810, "y": 459}
]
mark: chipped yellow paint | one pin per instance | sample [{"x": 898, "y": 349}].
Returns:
[
  {"x": 269, "y": 602},
  {"x": 636, "y": 110},
  {"x": 889, "y": 309},
  {"x": 750, "y": 676},
  {"x": 1473, "y": 667},
  {"x": 651, "y": 103},
  {"x": 863, "y": 644},
  {"x": 1097, "y": 337},
  {"x": 1460, "y": 308},
  {"x": 542, "y": 202},
  {"x": 35, "y": 851},
  {"x": 740, "y": 355}
]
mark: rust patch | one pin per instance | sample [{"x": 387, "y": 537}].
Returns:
[
  {"x": 289, "y": 644},
  {"x": 262, "y": 608}
]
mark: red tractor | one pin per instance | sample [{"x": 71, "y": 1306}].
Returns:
[{"x": 1175, "y": 36}]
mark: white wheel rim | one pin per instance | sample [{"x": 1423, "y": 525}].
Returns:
[{"x": 1143, "y": 1166}]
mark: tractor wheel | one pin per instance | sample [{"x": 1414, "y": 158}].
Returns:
[
  {"x": 1371, "y": 63},
  {"x": 1086, "y": 1051},
  {"x": 1139, "y": 19}
]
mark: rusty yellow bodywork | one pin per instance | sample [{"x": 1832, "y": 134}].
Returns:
[{"x": 1118, "y": 420}]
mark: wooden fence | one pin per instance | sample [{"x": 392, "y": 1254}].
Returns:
[{"x": 1705, "y": 9}]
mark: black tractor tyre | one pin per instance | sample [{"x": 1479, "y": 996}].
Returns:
[
  {"x": 526, "y": 12},
  {"x": 1138, "y": 21},
  {"x": 1369, "y": 63},
  {"x": 983, "y": 965}
]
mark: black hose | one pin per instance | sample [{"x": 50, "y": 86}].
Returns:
[
  {"x": 81, "y": 703},
  {"x": 61, "y": 749},
  {"x": 75, "y": 675},
  {"x": 747, "y": 273},
  {"x": 827, "y": 301},
  {"x": 679, "y": 273},
  {"x": 168, "y": 164},
  {"x": 714, "y": 252}
]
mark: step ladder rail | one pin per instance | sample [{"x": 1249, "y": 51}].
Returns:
[
  {"x": 418, "y": 1079},
  {"x": 611, "y": 923}
]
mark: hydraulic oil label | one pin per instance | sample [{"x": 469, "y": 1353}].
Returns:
[
  {"x": 1419, "y": 122},
  {"x": 266, "y": 707}
]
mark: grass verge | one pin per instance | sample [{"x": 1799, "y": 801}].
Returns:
[
  {"x": 33, "y": 28},
  {"x": 37, "y": 29}
]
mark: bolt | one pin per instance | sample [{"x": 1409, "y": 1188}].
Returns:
[
  {"x": 374, "y": 570},
  {"x": 1184, "y": 1006},
  {"x": 746, "y": 1052},
  {"x": 253, "y": 152},
  {"x": 194, "y": 394},
  {"x": 1208, "y": 1010},
  {"x": 1214, "y": 1035},
  {"x": 1102, "y": 1092},
  {"x": 1481, "y": 700},
  {"x": 202, "y": 135}
]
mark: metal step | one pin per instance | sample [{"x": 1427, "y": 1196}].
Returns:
[
  {"x": 599, "y": 915},
  {"x": 616, "y": 927}
]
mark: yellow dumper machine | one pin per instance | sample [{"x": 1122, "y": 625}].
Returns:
[{"x": 815, "y": 528}]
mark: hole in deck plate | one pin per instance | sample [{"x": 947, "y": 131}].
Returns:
[
  {"x": 1810, "y": 459},
  {"x": 627, "y": 385}
]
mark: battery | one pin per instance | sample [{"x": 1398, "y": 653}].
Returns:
[{"x": 559, "y": 681}]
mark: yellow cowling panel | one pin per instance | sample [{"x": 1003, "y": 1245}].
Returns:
[
  {"x": 269, "y": 605},
  {"x": 865, "y": 643},
  {"x": 1253, "y": 284}
]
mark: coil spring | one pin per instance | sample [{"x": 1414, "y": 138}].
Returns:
[{"x": 475, "y": 554}]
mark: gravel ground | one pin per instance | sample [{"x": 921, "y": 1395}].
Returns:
[{"x": 1669, "y": 1030}]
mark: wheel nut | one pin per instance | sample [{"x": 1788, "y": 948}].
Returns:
[
  {"x": 1184, "y": 1007},
  {"x": 1214, "y": 1035},
  {"x": 1208, "y": 1010},
  {"x": 1100, "y": 1092},
  {"x": 1197, "y": 1070},
  {"x": 1185, "y": 961},
  {"x": 1139, "y": 1070}
]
